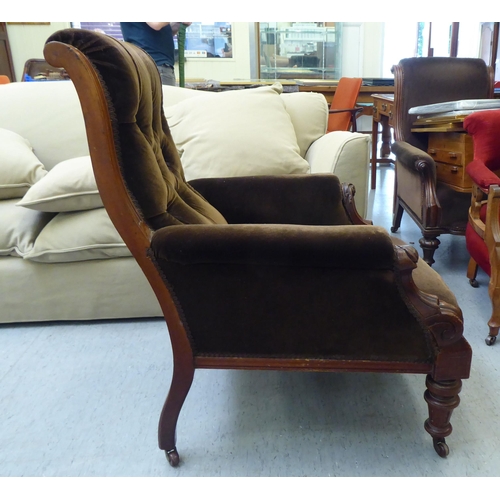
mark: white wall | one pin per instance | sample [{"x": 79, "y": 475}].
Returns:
[{"x": 27, "y": 41}]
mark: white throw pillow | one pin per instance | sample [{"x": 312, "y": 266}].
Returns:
[
  {"x": 76, "y": 236},
  {"x": 68, "y": 186},
  {"x": 235, "y": 133},
  {"x": 19, "y": 167},
  {"x": 19, "y": 228}
]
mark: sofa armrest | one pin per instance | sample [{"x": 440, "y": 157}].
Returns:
[
  {"x": 283, "y": 199},
  {"x": 347, "y": 155}
]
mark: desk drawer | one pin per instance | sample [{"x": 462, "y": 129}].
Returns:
[
  {"x": 451, "y": 147},
  {"x": 455, "y": 175},
  {"x": 382, "y": 108},
  {"x": 447, "y": 156}
]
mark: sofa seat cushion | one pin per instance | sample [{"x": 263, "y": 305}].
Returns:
[
  {"x": 19, "y": 228},
  {"x": 69, "y": 186},
  {"x": 19, "y": 167},
  {"x": 77, "y": 236},
  {"x": 235, "y": 133}
]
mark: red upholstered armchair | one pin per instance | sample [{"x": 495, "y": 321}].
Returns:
[{"x": 483, "y": 229}]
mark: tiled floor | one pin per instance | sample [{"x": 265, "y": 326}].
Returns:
[{"x": 83, "y": 399}]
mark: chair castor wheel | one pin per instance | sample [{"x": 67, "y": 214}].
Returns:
[
  {"x": 474, "y": 283},
  {"x": 490, "y": 340},
  {"x": 441, "y": 447},
  {"x": 172, "y": 457}
]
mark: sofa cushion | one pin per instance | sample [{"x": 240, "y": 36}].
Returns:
[
  {"x": 235, "y": 133},
  {"x": 309, "y": 114},
  {"x": 19, "y": 228},
  {"x": 49, "y": 115},
  {"x": 69, "y": 186},
  {"x": 19, "y": 167},
  {"x": 76, "y": 236}
]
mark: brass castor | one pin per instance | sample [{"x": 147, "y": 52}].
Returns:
[
  {"x": 441, "y": 447},
  {"x": 172, "y": 457},
  {"x": 490, "y": 339},
  {"x": 474, "y": 283}
]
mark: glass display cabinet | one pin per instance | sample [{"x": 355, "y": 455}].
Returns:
[{"x": 300, "y": 50}]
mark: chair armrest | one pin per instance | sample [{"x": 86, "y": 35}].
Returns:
[
  {"x": 338, "y": 247},
  {"x": 414, "y": 159},
  {"x": 354, "y": 114},
  {"x": 282, "y": 199},
  {"x": 481, "y": 175},
  {"x": 347, "y": 155},
  {"x": 353, "y": 111}
]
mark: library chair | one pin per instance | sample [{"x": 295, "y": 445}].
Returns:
[
  {"x": 433, "y": 205},
  {"x": 258, "y": 272}
]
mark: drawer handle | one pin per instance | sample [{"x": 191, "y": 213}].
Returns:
[
  {"x": 384, "y": 107},
  {"x": 432, "y": 151},
  {"x": 454, "y": 170},
  {"x": 452, "y": 155}
]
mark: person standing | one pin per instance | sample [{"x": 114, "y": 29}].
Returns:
[{"x": 157, "y": 39}]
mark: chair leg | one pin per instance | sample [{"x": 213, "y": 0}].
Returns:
[
  {"x": 429, "y": 245},
  {"x": 442, "y": 398},
  {"x": 181, "y": 383},
  {"x": 398, "y": 215},
  {"x": 472, "y": 273},
  {"x": 494, "y": 322}
]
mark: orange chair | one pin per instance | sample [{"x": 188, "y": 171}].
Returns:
[
  {"x": 343, "y": 110},
  {"x": 4, "y": 79}
]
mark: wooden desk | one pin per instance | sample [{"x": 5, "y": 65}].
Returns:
[
  {"x": 450, "y": 147},
  {"x": 383, "y": 112}
]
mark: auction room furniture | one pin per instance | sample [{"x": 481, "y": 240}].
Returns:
[
  {"x": 434, "y": 206},
  {"x": 483, "y": 229},
  {"x": 259, "y": 272},
  {"x": 383, "y": 113},
  {"x": 343, "y": 110}
]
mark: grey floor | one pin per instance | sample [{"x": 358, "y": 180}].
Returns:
[{"x": 83, "y": 399}]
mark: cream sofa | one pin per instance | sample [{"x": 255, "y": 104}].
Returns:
[{"x": 60, "y": 257}]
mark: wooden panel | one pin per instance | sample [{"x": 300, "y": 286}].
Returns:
[{"x": 6, "y": 64}]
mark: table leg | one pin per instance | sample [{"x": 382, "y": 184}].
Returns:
[{"x": 374, "y": 153}]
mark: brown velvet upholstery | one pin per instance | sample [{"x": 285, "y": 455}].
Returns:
[
  {"x": 436, "y": 208},
  {"x": 295, "y": 280}
]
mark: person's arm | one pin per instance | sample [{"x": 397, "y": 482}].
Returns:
[{"x": 159, "y": 26}]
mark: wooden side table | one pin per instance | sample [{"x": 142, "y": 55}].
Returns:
[{"x": 383, "y": 112}]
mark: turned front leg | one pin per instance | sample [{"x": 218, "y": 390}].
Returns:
[{"x": 442, "y": 398}]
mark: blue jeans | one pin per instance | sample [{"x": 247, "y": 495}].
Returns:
[{"x": 167, "y": 75}]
